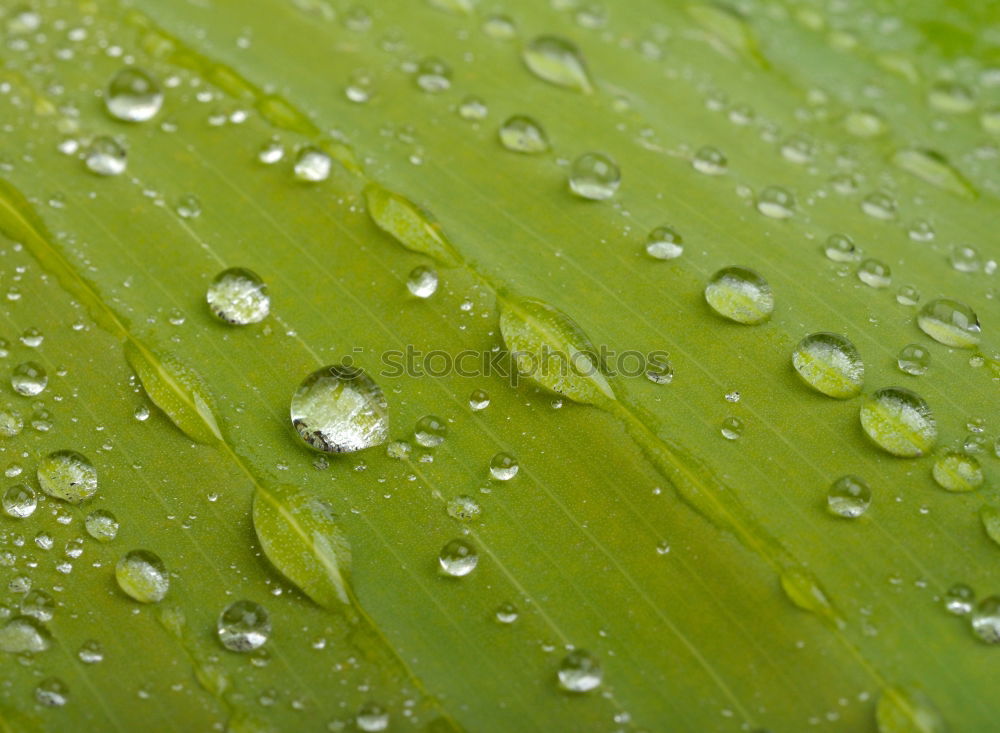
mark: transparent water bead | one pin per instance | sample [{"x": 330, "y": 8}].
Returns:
[
  {"x": 105, "y": 156},
  {"x": 958, "y": 472},
  {"x": 238, "y": 296},
  {"x": 24, "y": 635},
  {"x": 663, "y": 243},
  {"x": 372, "y": 718},
  {"x": 875, "y": 273},
  {"x": 422, "y": 282},
  {"x": 557, "y": 61},
  {"x": 91, "y": 652},
  {"x": 950, "y": 322},
  {"x": 340, "y": 409},
  {"x": 473, "y": 109},
  {"x": 479, "y": 400},
  {"x": 913, "y": 359},
  {"x": 430, "y": 431},
  {"x": 579, "y": 671},
  {"x": 710, "y": 161},
  {"x": 899, "y": 421},
  {"x": 142, "y": 575},
  {"x": 19, "y": 501},
  {"x": 908, "y": 295},
  {"x": 458, "y": 558},
  {"x": 830, "y": 364},
  {"x": 848, "y": 497},
  {"x": 965, "y": 258},
  {"x": 741, "y": 295},
  {"x": 776, "y": 202},
  {"x": 523, "y": 134},
  {"x": 188, "y": 206},
  {"x": 67, "y": 475},
  {"x": 11, "y": 423},
  {"x": 312, "y": 165},
  {"x": 243, "y": 626},
  {"x": 986, "y": 620},
  {"x": 464, "y": 508},
  {"x": 101, "y": 525},
  {"x": 959, "y": 599},
  {"x": 879, "y": 205},
  {"x": 38, "y": 605},
  {"x": 507, "y": 613},
  {"x": 660, "y": 371},
  {"x": 133, "y": 95},
  {"x": 503, "y": 467},
  {"x": 732, "y": 428},
  {"x": 433, "y": 75},
  {"x": 594, "y": 176},
  {"x": 499, "y": 27},
  {"x": 52, "y": 692},
  {"x": 951, "y": 97},
  {"x": 29, "y": 379},
  {"x": 841, "y": 248}
]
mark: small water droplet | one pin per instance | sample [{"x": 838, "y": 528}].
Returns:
[
  {"x": 879, "y": 205},
  {"x": 507, "y": 613},
  {"x": 913, "y": 359},
  {"x": 829, "y": 363},
  {"x": 372, "y": 718},
  {"x": 133, "y": 95},
  {"x": 399, "y": 450},
  {"x": 731, "y": 428},
  {"x": 659, "y": 370},
  {"x": 430, "y": 431},
  {"x": 473, "y": 109},
  {"x": 864, "y": 123},
  {"x": 664, "y": 243},
  {"x": 38, "y": 605},
  {"x": 312, "y": 165},
  {"x": 433, "y": 75},
  {"x": 848, "y": 497},
  {"x": 105, "y": 156},
  {"x": 360, "y": 86},
  {"x": 91, "y": 652},
  {"x": 503, "y": 466},
  {"x": 841, "y": 248},
  {"x": 741, "y": 295},
  {"x": 20, "y": 501},
  {"x": 67, "y": 475},
  {"x": 243, "y": 626},
  {"x": 776, "y": 202},
  {"x": 908, "y": 295},
  {"x": 271, "y": 152},
  {"x": 986, "y": 620},
  {"x": 557, "y": 61},
  {"x": 11, "y": 423},
  {"x": 464, "y": 508},
  {"x": 950, "y": 322},
  {"x": 423, "y": 281},
  {"x": 710, "y": 161},
  {"x": 798, "y": 149},
  {"x": 920, "y": 230},
  {"x": 142, "y": 575},
  {"x": 458, "y": 558},
  {"x": 188, "y": 206},
  {"x": 101, "y": 525},
  {"x": 875, "y": 273},
  {"x": 479, "y": 400},
  {"x": 951, "y": 97},
  {"x": 956, "y": 471},
  {"x": 32, "y": 338},
  {"x": 959, "y": 599},
  {"x": 965, "y": 258},
  {"x": 523, "y": 134},
  {"x": 238, "y": 296},
  {"x": 24, "y": 635},
  {"x": 579, "y": 672},
  {"x": 340, "y": 409},
  {"x": 594, "y": 176},
  {"x": 52, "y": 693},
  {"x": 899, "y": 421}
]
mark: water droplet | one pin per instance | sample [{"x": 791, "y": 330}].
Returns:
[
  {"x": 798, "y": 149},
  {"x": 312, "y": 165},
  {"x": 899, "y": 421},
  {"x": 959, "y": 599},
  {"x": 133, "y": 95},
  {"x": 188, "y": 206},
  {"x": 864, "y": 123},
  {"x": 879, "y": 205},
  {"x": 951, "y": 97},
  {"x": 360, "y": 86},
  {"x": 920, "y": 231},
  {"x": 741, "y": 295},
  {"x": 340, "y": 409},
  {"x": 423, "y": 281},
  {"x": 950, "y": 322},
  {"x": 67, "y": 475},
  {"x": 830, "y": 364},
  {"x": 458, "y": 558},
  {"x": 965, "y": 258},
  {"x": 372, "y": 718},
  {"x": 522, "y": 134},
  {"x": 557, "y": 61},
  {"x": 848, "y": 497},
  {"x": 473, "y": 108},
  {"x": 38, "y": 605},
  {"x": 660, "y": 371},
  {"x": 11, "y": 423},
  {"x": 580, "y": 672},
  {"x": 91, "y": 652},
  {"x": 398, "y": 450},
  {"x": 875, "y": 273},
  {"x": 663, "y": 243},
  {"x": 464, "y": 508},
  {"x": 776, "y": 202},
  {"x": 52, "y": 693},
  {"x": 841, "y": 248},
  {"x": 433, "y": 75},
  {"x": 22, "y": 21},
  {"x": 243, "y": 626},
  {"x": 479, "y": 400},
  {"x": 986, "y": 620},
  {"x": 731, "y": 428},
  {"x": 24, "y": 635},
  {"x": 238, "y": 296},
  {"x": 913, "y": 359},
  {"x": 271, "y": 152},
  {"x": 908, "y": 295},
  {"x": 101, "y": 525},
  {"x": 32, "y": 338},
  {"x": 507, "y": 613},
  {"x": 19, "y": 501},
  {"x": 933, "y": 168},
  {"x": 503, "y": 466},
  {"x": 594, "y": 176},
  {"x": 105, "y": 156},
  {"x": 710, "y": 161},
  {"x": 430, "y": 431},
  {"x": 955, "y": 471},
  {"x": 143, "y": 576}
]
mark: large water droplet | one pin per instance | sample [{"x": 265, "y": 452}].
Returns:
[
  {"x": 340, "y": 409},
  {"x": 312, "y": 165},
  {"x": 848, "y": 497},
  {"x": 776, "y": 202},
  {"x": 458, "y": 558},
  {"x": 503, "y": 466},
  {"x": 830, "y": 364},
  {"x": 239, "y": 297},
  {"x": 24, "y": 635},
  {"x": 913, "y": 359},
  {"x": 664, "y": 243},
  {"x": 950, "y": 322},
  {"x": 741, "y": 295},
  {"x": 29, "y": 379},
  {"x": 105, "y": 156},
  {"x": 142, "y": 575},
  {"x": 956, "y": 471},
  {"x": 899, "y": 421},
  {"x": 101, "y": 525},
  {"x": 133, "y": 95},
  {"x": 67, "y": 475},
  {"x": 422, "y": 282},
  {"x": 557, "y": 61},
  {"x": 986, "y": 620},
  {"x": 522, "y": 134},
  {"x": 594, "y": 176},
  {"x": 19, "y": 501},
  {"x": 243, "y": 626},
  {"x": 579, "y": 671}
]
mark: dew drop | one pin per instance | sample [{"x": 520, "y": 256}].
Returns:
[
  {"x": 142, "y": 575},
  {"x": 430, "y": 431},
  {"x": 372, "y": 718},
  {"x": 959, "y": 599},
  {"x": 91, "y": 652},
  {"x": 913, "y": 359},
  {"x": 243, "y": 626},
  {"x": 398, "y": 450},
  {"x": 659, "y": 371},
  {"x": 271, "y": 152},
  {"x": 433, "y": 75},
  {"x": 479, "y": 400},
  {"x": 965, "y": 258},
  {"x": 340, "y": 409},
  {"x": 864, "y": 123},
  {"x": 506, "y": 613},
  {"x": 24, "y": 635},
  {"x": 422, "y": 282},
  {"x": 875, "y": 273},
  {"x": 360, "y": 87},
  {"x": 473, "y": 109},
  {"x": 958, "y": 472},
  {"x": 579, "y": 671},
  {"x": 776, "y": 202},
  {"x": 741, "y": 295},
  {"x": 105, "y": 156},
  {"x": 522, "y": 134},
  {"x": 920, "y": 230},
  {"x": 38, "y": 605},
  {"x": 710, "y": 161},
  {"x": 20, "y": 501},
  {"x": 731, "y": 428},
  {"x": 798, "y": 149},
  {"x": 594, "y": 176},
  {"x": 133, "y": 95},
  {"x": 67, "y": 475},
  {"x": 986, "y": 620},
  {"x": 458, "y": 558},
  {"x": 830, "y": 364},
  {"x": 557, "y": 61},
  {"x": 899, "y": 421},
  {"x": 238, "y": 296},
  {"x": 848, "y": 497},
  {"x": 11, "y": 423},
  {"x": 950, "y": 322},
  {"x": 879, "y": 205},
  {"x": 908, "y": 295},
  {"x": 52, "y": 693},
  {"x": 663, "y": 243},
  {"x": 101, "y": 525},
  {"x": 464, "y": 508},
  {"x": 188, "y": 206},
  {"x": 312, "y": 165},
  {"x": 32, "y": 338},
  {"x": 951, "y": 97},
  {"x": 841, "y": 248},
  {"x": 503, "y": 467}
]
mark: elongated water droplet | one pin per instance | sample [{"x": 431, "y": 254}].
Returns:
[
  {"x": 990, "y": 517},
  {"x": 580, "y": 671},
  {"x": 594, "y": 176},
  {"x": 340, "y": 409},
  {"x": 986, "y": 620},
  {"x": 848, "y": 497},
  {"x": 841, "y": 248},
  {"x": 52, "y": 693},
  {"x": 864, "y": 123},
  {"x": 503, "y": 466},
  {"x": 101, "y": 525},
  {"x": 829, "y": 363},
  {"x": 239, "y": 297},
  {"x": 499, "y": 27},
  {"x": 959, "y": 599},
  {"x": 312, "y": 165},
  {"x": 914, "y": 359},
  {"x": 741, "y": 295},
  {"x": 951, "y": 97},
  {"x": 243, "y": 626},
  {"x": 776, "y": 202},
  {"x": 899, "y": 421},
  {"x": 902, "y": 710},
  {"x": 67, "y": 475},
  {"x": 29, "y": 379},
  {"x": 19, "y": 501},
  {"x": 933, "y": 168},
  {"x": 458, "y": 558},
  {"x": 24, "y": 635},
  {"x": 955, "y": 471},
  {"x": 430, "y": 431},
  {"x": 875, "y": 273},
  {"x": 557, "y": 61},
  {"x": 523, "y": 134},
  {"x": 142, "y": 575},
  {"x": 663, "y": 243},
  {"x": 105, "y": 156},
  {"x": 412, "y": 227},
  {"x": 950, "y": 322},
  {"x": 422, "y": 282},
  {"x": 133, "y": 95}
]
